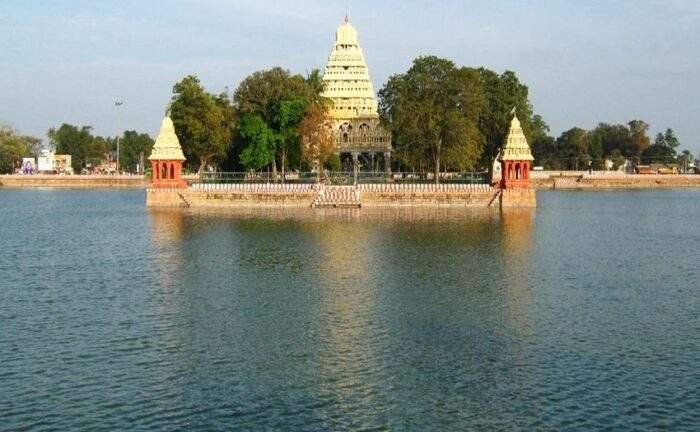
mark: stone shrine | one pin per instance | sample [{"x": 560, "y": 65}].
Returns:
[
  {"x": 167, "y": 158},
  {"x": 516, "y": 162}
]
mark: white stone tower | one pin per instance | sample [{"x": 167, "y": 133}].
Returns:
[{"x": 360, "y": 139}]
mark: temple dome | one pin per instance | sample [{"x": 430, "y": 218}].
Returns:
[
  {"x": 346, "y": 35},
  {"x": 167, "y": 146},
  {"x": 516, "y": 146}
]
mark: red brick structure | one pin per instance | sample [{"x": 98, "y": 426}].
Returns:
[
  {"x": 516, "y": 159},
  {"x": 167, "y": 158}
]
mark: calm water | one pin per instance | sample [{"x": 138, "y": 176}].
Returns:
[{"x": 581, "y": 315}]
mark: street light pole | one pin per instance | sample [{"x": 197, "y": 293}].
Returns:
[{"x": 117, "y": 104}]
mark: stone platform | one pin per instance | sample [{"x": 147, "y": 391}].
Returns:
[{"x": 319, "y": 196}]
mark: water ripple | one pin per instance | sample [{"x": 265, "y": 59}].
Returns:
[{"x": 114, "y": 317}]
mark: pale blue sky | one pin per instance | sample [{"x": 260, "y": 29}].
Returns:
[{"x": 584, "y": 61}]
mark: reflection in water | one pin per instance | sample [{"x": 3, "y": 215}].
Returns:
[
  {"x": 167, "y": 226},
  {"x": 518, "y": 227},
  {"x": 516, "y": 240},
  {"x": 347, "y": 318},
  {"x": 348, "y": 215}
]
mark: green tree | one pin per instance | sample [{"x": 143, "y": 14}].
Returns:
[
  {"x": 203, "y": 122},
  {"x": 278, "y": 99},
  {"x": 433, "y": 111},
  {"x": 503, "y": 92},
  {"x": 14, "y": 147},
  {"x": 543, "y": 146},
  {"x": 290, "y": 113},
  {"x": 658, "y": 153},
  {"x": 80, "y": 144},
  {"x": 574, "y": 146},
  {"x": 685, "y": 159},
  {"x": 315, "y": 87},
  {"x": 612, "y": 137},
  {"x": 261, "y": 92},
  {"x": 132, "y": 146},
  {"x": 663, "y": 150},
  {"x": 317, "y": 143},
  {"x": 260, "y": 149},
  {"x": 639, "y": 138},
  {"x": 667, "y": 139}
]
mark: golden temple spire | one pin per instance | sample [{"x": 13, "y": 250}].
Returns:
[
  {"x": 167, "y": 146},
  {"x": 516, "y": 146}
]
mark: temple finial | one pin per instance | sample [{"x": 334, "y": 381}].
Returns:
[{"x": 347, "y": 15}]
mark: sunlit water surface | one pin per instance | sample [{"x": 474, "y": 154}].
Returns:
[{"x": 583, "y": 314}]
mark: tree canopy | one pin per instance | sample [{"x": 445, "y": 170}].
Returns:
[
  {"x": 14, "y": 147},
  {"x": 453, "y": 117},
  {"x": 132, "y": 145},
  {"x": 84, "y": 148},
  {"x": 317, "y": 144},
  {"x": 272, "y": 104},
  {"x": 203, "y": 122}
]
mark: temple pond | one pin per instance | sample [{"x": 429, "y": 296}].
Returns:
[{"x": 582, "y": 314}]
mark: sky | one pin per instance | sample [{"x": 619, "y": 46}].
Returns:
[{"x": 584, "y": 62}]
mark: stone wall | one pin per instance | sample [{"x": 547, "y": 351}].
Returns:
[
  {"x": 425, "y": 195},
  {"x": 611, "y": 180},
  {"x": 263, "y": 195},
  {"x": 303, "y": 196},
  {"x": 73, "y": 181},
  {"x": 165, "y": 198},
  {"x": 524, "y": 198},
  {"x": 80, "y": 181}
]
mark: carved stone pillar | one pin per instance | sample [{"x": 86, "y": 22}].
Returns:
[
  {"x": 387, "y": 163},
  {"x": 355, "y": 165}
]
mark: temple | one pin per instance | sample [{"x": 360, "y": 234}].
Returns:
[
  {"x": 167, "y": 158},
  {"x": 516, "y": 162},
  {"x": 515, "y": 157},
  {"x": 361, "y": 141}
]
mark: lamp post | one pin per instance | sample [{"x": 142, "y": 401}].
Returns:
[{"x": 117, "y": 104}]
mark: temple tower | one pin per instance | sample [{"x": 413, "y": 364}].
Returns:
[
  {"x": 167, "y": 158},
  {"x": 360, "y": 139},
  {"x": 516, "y": 159}
]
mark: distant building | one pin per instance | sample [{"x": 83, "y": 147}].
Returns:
[
  {"x": 51, "y": 163},
  {"x": 360, "y": 139}
]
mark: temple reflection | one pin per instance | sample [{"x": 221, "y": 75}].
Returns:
[
  {"x": 167, "y": 225},
  {"x": 347, "y": 318},
  {"x": 517, "y": 246}
]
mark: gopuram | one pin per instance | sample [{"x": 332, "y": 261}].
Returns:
[{"x": 361, "y": 141}]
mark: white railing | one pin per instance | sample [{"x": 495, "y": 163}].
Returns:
[{"x": 254, "y": 187}]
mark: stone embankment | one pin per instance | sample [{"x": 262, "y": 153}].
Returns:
[
  {"x": 610, "y": 180},
  {"x": 429, "y": 195},
  {"x": 312, "y": 195},
  {"x": 78, "y": 181}
]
